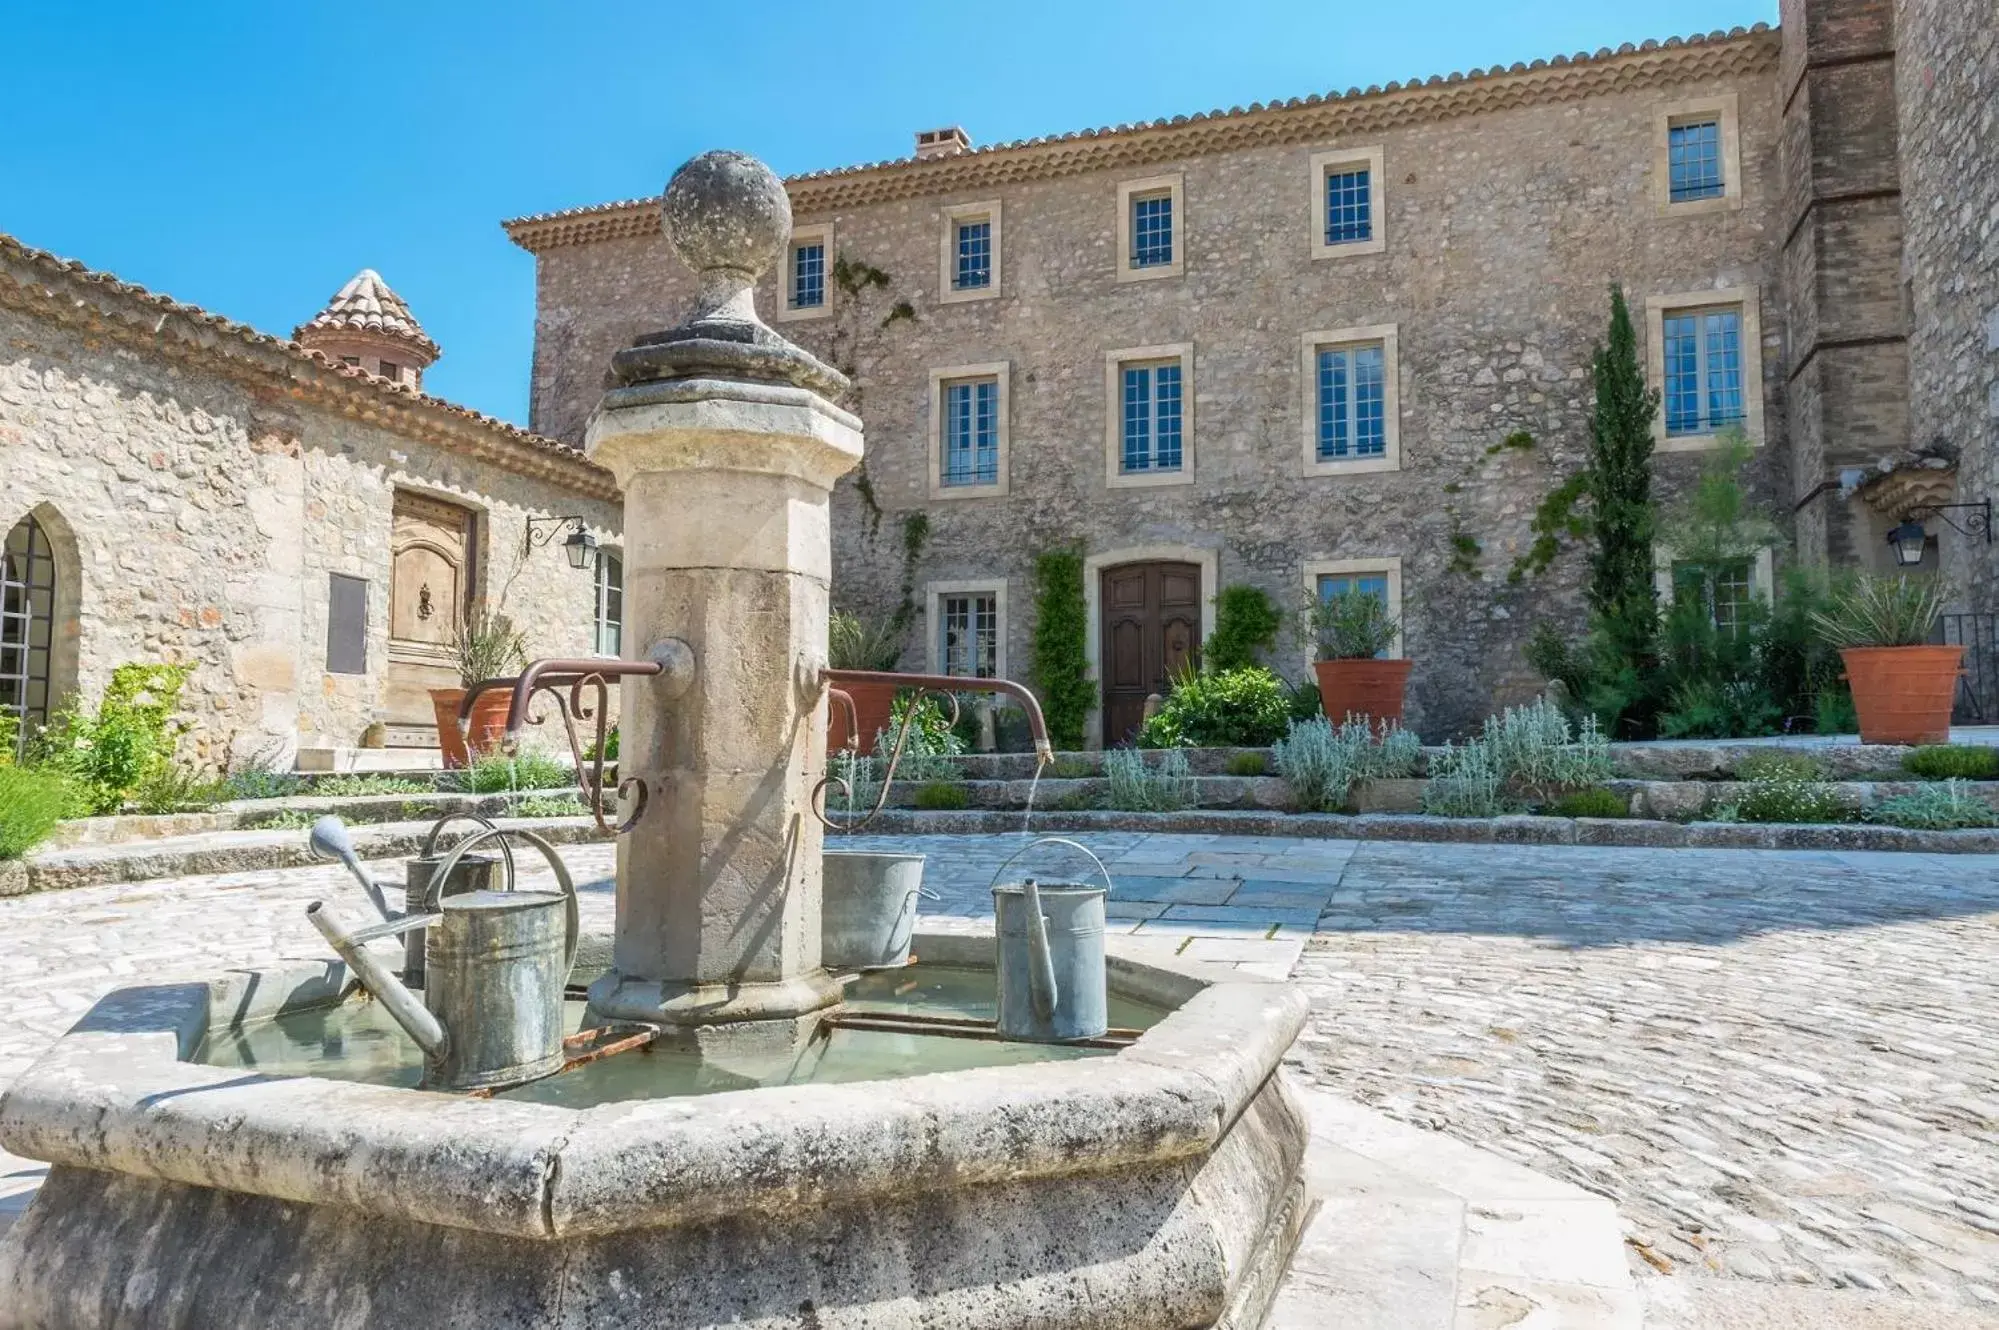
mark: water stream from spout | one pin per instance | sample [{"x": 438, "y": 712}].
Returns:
[{"x": 1033, "y": 785}]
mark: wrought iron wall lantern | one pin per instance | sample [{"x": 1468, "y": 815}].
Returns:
[
  {"x": 579, "y": 544},
  {"x": 1910, "y": 538}
]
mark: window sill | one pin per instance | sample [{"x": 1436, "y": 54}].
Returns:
[
  {"x": 1729, "y": 202},
  {"x": 997, "y": 490},
  {"x": 1348, "y": 249},
  {"x": 1354, "y": 466},
  {"x": 1132, "y": 480},
  {"x": 799, "y": 315},
  {"x": 1695, "y": 443},
  {"x": 963, "y": 295},
  {"x": 1127, "y": 273}
]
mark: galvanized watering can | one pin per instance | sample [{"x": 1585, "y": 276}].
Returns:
[
  {"x": 496, "y": 964},
  {"x": 475, "y": 872},
  {"x": 1053, "y": 985}
]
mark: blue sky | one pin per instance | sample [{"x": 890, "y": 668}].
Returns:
[{"x": 250, "y": 157}]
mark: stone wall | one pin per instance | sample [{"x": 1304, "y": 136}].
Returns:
[
  {"x": 1503, "y": 231},
  {"x": 1947, "y": 89},
  {"x": 205, "y": 515}
]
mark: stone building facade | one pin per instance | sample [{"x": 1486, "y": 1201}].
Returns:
[
  {"x": 1438, "y": 254},
  {"x": 201, "y": 492}
]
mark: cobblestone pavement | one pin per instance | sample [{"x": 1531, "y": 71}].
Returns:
[{"x": 1781, "y": 1066}]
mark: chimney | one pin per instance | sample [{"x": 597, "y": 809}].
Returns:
[{"x": 946, "y": 142}]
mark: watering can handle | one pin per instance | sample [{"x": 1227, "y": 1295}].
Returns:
[
  {"x": 1078, "y": 846},
  {"x": 572, "y": 917},
  {"x": 506, "y": 851}
]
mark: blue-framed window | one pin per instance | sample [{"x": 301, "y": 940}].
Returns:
[
  {"x": 974, "y": 269},
  {"x": 1152, "y": 230},
  {"x": 971, "y": 433},
  {"x": 1152, "y": 418},
  {"x": 808, "y": 275},
  {"x": 1349, "y": 206},
  {"x": 1366, "y": 584},
  {"x": 969, "y": 642},
  {"x": 1703, "y": 391},
  {"x": 1693, "y": 158},
  {"x": 1353, "y": 407}
]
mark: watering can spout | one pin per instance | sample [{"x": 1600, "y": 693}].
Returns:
[
  {"x": 407, "y": 1009},
  {"x": 1040, "y": 959}
]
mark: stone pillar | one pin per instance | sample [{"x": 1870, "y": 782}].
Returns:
[{"x": 726, "y": 443}]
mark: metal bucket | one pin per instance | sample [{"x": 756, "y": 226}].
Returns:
[
  {"x": 475, "y": 872},
  {"x": 497, "y": 964},
  {"x": 867, "y": 912},
  {"x": 1049, "y": 962}
]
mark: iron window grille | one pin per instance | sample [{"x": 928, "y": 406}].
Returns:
[
  {"x": 1152, "y": 230},
  {"x": 975, "y": 256},
  {"x": 1349, "y": 213},
  {"x": 1152, "y": 418},
  {"x": 610, "y": 604},
  {"x": 808, "y": 276},
  {"x": 971, "y": 433},
  {"x": 27, "y": 624},
  {"x": 1352, "y": 402},
  {"x": 1693, "y": 156},
  {"x": 1703, "y": 370},
  {"x": 970, "y": 644}
]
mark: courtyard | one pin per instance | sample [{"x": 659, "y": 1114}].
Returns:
[{"x": 1781, "y": 1066}]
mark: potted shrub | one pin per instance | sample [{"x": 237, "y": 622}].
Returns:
[
  {"x": 488, "y": 646},
  {"x": 1350, "y": 631},
  {"x": 855, "y": 643},
  {"x": 1903, "y": 684}
]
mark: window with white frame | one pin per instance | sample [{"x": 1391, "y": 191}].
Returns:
[
  {"x": 1150, "y": 416},
  {"x": 1702, "y": 391},
  {"x": 807, "y": 269},
  {"x": 1346, "y": 202},
  {"x": 1697, "y": 157},
  {"x": 1723, "y": 590},
  {"x": 970, "y": 432},
  {"x": 1150, "y": 221},
  {"x": 1693, "y": 159},
  {"x": 1352, "y": 398},
  {"x": 968, "y": 634},
  {"x": 610, "y": 603}
]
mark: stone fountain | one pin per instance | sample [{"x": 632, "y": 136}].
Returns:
[{"x": 1152, "y": 1184}]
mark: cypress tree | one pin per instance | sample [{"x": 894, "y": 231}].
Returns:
[{"x": 1620, "y": 589}]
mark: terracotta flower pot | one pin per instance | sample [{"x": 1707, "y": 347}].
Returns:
[
  {"x": 486, "y": 726},
  {"x": 1904, "y": 694},
  {"x": 1370, "y": 688},
  {"x": 873, "y": 703}
]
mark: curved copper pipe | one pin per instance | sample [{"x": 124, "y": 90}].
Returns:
[
  {"x": 840, "y": 697},
  {"x": 952, "y": 683},
  {"x": 556, "y": 672}
]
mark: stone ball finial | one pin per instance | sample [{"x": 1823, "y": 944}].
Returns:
[{"x": 727, "y": 210}]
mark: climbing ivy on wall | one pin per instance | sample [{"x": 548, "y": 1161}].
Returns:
[
  {"x": 915, "y": 533},
  {"x": 1061, "y": 672}
]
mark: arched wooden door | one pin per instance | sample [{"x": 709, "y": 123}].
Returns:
[
  {"x": 432, "y": 578},
  {"x": 1151, "y": 631}
]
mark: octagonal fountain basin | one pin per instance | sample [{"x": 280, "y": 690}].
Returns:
[{"x": 290, "y": 1181}]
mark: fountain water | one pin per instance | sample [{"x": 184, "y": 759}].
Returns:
[{"x": 251, "y": 1151}]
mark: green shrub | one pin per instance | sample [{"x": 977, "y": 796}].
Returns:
[
  {"x": 1595, "y": 801},
  {"x": 1249, "y": 764},
  {"x": 175, "y": 788},
  {"x": 487, "y": 646},
  {"x": 1352, "y": 625},
  {"x": 857, "y": 783},
  {"x": 1945, "y": 761},
  {"x": 1301, "y": 700},
  {"x": 127, "y": 741},
  {"x": 1135, "y": 786},
  {"x": 10, "y": 737},
  {"x": 1780, "y": 766},
  {"x": 610, "y": 746},
  {"x": 943, "y": 796},
  {"x": 1873, "y": 611},
  {"x": 1071, "y": 768},
  {"x": 1833, "y": 712},
  {"x": 261, "y": 783},
  {"x": 1322, "y": 762},
  {"x": 1246, "y": 624},
  {"x": 370, "y": 783},
  {"x": 32, "y": 801},
  {"x": 1241, "y": 708},
  {"x": 530, "y": 770},
  {"x": 549, "y": 805},
  {"x": 1075, "y": 801},
  {"x": 857, "y": 643},
  {"x": 932, "y": 744},
  {"x": 285, "y": 819},
  {"x": 1946, "y": 806},
  {"x": 1061, "y": 670},
  {"x": 1534, "y": 749},
  {"x": 1785, "y": 794},
  {"x": 1466, "y": 782}
]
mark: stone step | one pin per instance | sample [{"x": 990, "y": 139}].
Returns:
[
  {"x": 241, "y": 851},
  {"x": 1418, "y": 1231}
]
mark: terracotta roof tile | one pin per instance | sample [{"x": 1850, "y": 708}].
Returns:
[{"x": 367, "y": 304}]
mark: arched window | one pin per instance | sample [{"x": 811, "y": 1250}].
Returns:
[{"x": 27, "y": 623}]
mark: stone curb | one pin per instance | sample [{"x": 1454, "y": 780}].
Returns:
[
  {"x": 250, "y": 814},
  {"x": 1514, "y": 830}
]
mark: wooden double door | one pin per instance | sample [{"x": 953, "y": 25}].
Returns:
[
  {"x": 1151, "y": 631},
  {"x": 432, "y": 579}
]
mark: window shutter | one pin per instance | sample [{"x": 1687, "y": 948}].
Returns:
[{"x": 346, "y": 624}]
